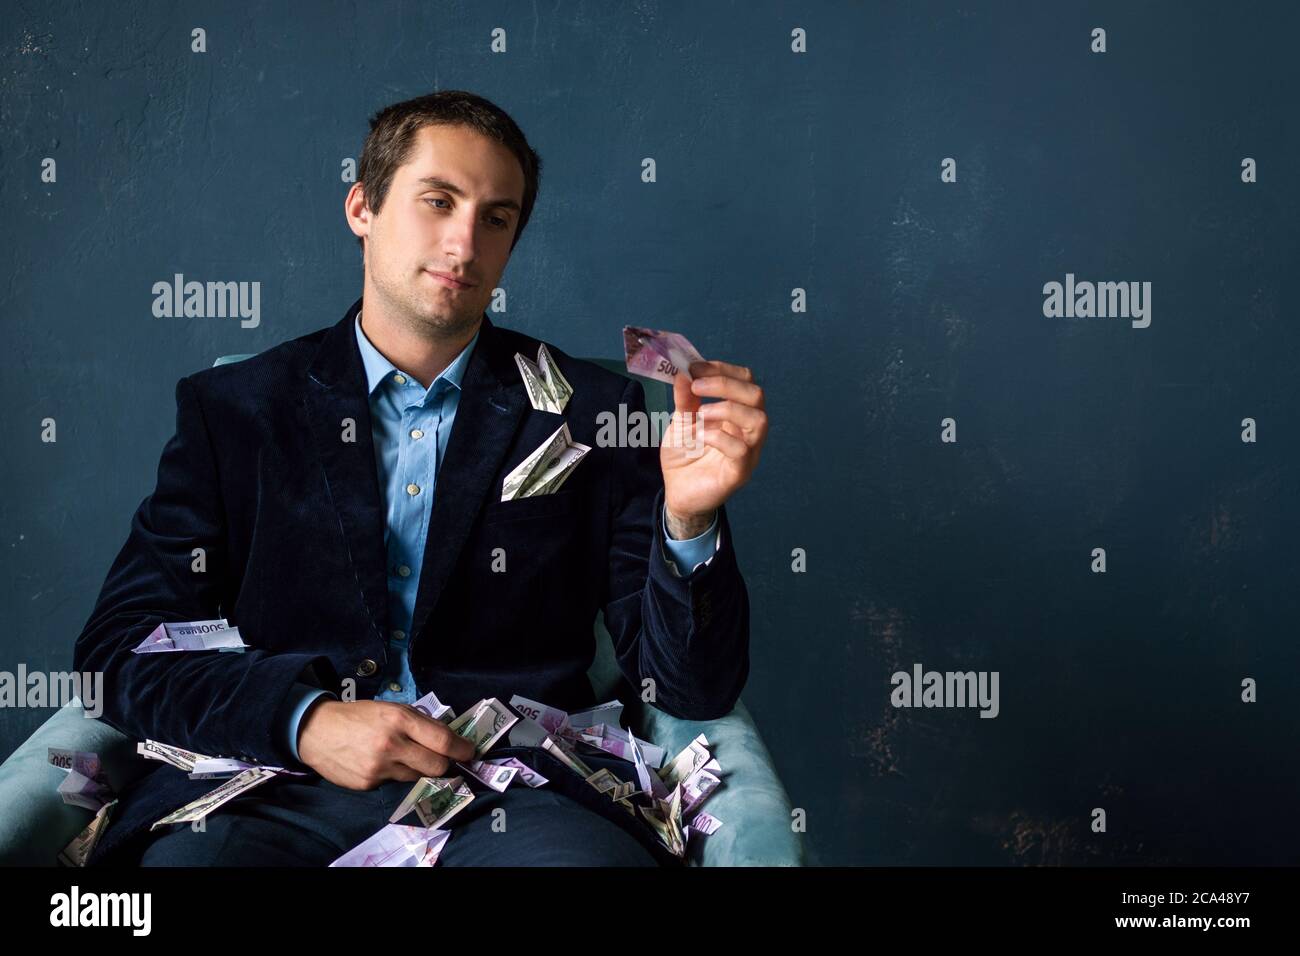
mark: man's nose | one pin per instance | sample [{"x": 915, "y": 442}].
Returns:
[{"x": 460, "y": 239}]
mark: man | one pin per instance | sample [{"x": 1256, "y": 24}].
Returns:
[{"x": 297, "y": 499}]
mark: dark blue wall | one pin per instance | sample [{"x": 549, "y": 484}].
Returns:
[{"x": 776, "y": 170}]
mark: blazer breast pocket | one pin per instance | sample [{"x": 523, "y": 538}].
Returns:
[{"x": 536, "y": 506}]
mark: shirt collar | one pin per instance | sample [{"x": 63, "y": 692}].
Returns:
[{"x": 378, "y": 368}]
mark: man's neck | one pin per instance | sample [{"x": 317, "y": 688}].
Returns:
[{"x": 414, "y": 354}]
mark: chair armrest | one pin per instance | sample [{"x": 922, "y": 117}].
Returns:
[
  {"x": 751, "y": 803},
  {"x": 36, "y": 823}
]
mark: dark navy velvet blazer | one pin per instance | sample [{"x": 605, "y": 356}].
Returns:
[{"x": 290, "y": 519}]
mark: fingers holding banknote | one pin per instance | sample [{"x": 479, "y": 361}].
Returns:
[
  {"x": 715, "y": 446},
  {"x": 360, "y": 744}
]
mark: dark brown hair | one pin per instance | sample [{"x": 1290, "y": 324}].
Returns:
[{"x": 392, "y": 135}]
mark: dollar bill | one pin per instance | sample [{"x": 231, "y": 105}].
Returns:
[
  {"x": 558, "y": 472},
  {"x": 553, "y": 746},
  {"x": 656, "y": 354},
  {"x": 435, "y": 800},
  {"x": 666, "y": 820},
  {"x": 212, "y": 768},
  {"x": 693, "y": 756},
  {"x": 200, "y": 808},
  {"x": 547, "y": 468},
  {"x": 604, "y": 781},
  {"x": 442, "y": 803},
  {"x": 484, "y": 724},
  {"x": 178, "y": 757},
  {"x": 544, "y": 464},
  {"x": 548, "y": 389},
  {"x": 78, "y": 851}
]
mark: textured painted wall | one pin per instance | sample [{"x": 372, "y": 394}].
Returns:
[{"x": 776, "y": 170}]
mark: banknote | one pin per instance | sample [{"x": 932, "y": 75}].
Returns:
[
  {"x": 610, "y": 712},
  {"x": 617, "y": 741},
  {"x": 200, "y": 808},
  {"x": 397, "y": 845},
  {"x": 704, "y": 824},
  {"x": 86, "y": 764},
  {"x": 553, "y": 746},
  {"x": 605, "y": 780},
  {"x": 484, "y": 724},
  {"x": 693, "y": 756},
  {"x": 656, "y": 354},
  {"x": 435, "y": 800},
  {"x": 178, "y": 757},
  {"x": 215, "y": 635},
  {"x": 696, "y": 789},
  {"x": 666, "y": 821},
  {"x": 546, "y": 468},
  {"x": 441, "y": 804},
  {"x": 78, "y": 790},
  {"x": 496, "y": 776},
  {"x": 78, "y": 851},
  {"x": 212, "y": 768},
  {"x": 552, "y": 719},
  {"x": 84, "y": 783},
  {"x": 526, "y": 773},
  {"x": 649, "y": 781},
  {"x": 431, "y": 706},
  {"x": 548, "y": 389}
]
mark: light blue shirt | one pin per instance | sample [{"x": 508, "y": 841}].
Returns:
[{"x": 411, "y": 425}]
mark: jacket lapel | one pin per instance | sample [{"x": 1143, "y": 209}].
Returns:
[
  {"x": 335, "y": 391},
  {"x": 492, "y": 406}
]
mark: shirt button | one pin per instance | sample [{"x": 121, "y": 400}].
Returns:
[
  {"x": 404, "y": 571},
  {"x": 399, "y": 378},
  {"x": 394, "y": 687},
  {"x": 399, "y": 635},
  {"x": 417, "y": 433},
  {"x": 366, "y": 668},
  {"x": 413, "y": 489}
]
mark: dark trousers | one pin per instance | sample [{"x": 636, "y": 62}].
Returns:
[{"x": 307, "y": 821}]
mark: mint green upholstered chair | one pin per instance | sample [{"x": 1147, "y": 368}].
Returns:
[{"x": 752, "y": 804}]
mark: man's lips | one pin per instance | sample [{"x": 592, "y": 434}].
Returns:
[{"x": 450, "y": 281}]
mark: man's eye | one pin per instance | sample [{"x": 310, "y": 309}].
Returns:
[
  {"x": 435, "y": 199},
  {"x": 502, "y": 222}
]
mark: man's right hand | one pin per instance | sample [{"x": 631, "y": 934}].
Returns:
[{"x": 360, "y": 744}]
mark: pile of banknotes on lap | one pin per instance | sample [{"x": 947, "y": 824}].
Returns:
[{"x": 667, "y": 796}]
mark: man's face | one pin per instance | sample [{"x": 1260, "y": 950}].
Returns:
[{"x": 453, "y": 207}]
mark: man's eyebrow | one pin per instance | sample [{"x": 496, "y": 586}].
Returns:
[{"x": 433, "y": 182}]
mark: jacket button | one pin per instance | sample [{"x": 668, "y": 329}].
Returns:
[{"x": 366, "y": 668}]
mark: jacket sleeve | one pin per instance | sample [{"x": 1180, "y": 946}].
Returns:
[
  {"x": 217, "y": 703},
  {"x": 688, "y": 633}
]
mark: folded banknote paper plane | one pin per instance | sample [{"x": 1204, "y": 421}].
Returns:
[{"x": 215, "y": 635}]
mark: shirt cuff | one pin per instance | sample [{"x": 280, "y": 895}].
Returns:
[
  {"x": 690, "y": 552},
  {"x": 301, "y": 699}
]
